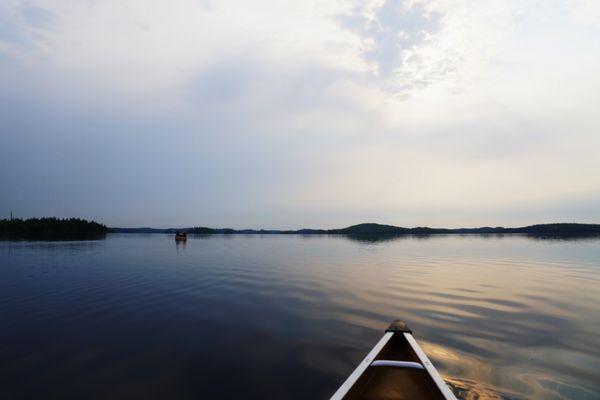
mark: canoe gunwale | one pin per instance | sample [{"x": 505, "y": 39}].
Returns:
[
  {"x": 365, "y": 363},
  {"x": 446, "y": 392}
]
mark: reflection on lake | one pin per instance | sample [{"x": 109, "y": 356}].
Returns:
[{"x": 289, "y": 317}]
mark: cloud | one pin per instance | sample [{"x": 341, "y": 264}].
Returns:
[
  {"x": 585, "y": 12},
  {"x": 411, "y": 45},
  {"x": 275, "y": 113},
  {"x": 21, "y": 23},
  {"x": 391, "y": 32}
]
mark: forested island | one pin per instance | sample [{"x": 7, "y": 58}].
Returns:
[
  {"x": 375, "y": 231},
  {"x": 51, "y": 229}
]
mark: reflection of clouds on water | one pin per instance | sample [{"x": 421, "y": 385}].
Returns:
[
  {"x": 501, "y": 319},
  {"x": 496, "y": 309},
  {"x": 515, "y": 374},
  {"x": 472, "y": 390}
]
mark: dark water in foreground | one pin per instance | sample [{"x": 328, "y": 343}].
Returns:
[{"x": 289, "y": 317}]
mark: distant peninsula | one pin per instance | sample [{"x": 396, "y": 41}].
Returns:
[
  {"x": 373, "y": 230},
  {"x": 51, "y": 229}
]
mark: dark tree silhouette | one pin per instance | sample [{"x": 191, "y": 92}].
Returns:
[{"x": 51, "y": 229}]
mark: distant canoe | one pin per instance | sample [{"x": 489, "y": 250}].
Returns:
[
  {"x": 395, "y": 369},
  {"x": 181, "y": 236}
]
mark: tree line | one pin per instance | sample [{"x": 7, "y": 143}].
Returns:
[{"x": 51, "y": 228}]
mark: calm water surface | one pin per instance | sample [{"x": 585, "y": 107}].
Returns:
[{"x": 289, "y": 317}]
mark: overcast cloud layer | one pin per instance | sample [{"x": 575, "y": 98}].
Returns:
[{"x": 301, "y": 113}]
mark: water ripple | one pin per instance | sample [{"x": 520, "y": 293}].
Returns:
[{"x": 136, "y": 316}]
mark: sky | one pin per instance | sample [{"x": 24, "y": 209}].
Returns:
[{"x": 292, "y": 114}]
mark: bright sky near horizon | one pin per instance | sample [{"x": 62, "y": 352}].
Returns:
[{"x": 291, "y": 114}]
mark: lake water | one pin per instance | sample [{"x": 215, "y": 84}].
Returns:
[{"x": 289, "y": 317}]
